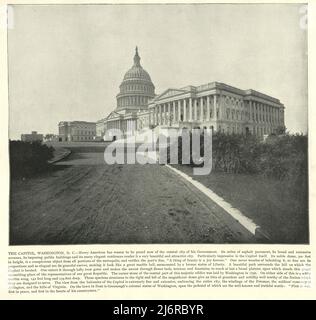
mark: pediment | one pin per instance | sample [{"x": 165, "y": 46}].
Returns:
[
  {"x": 169, "y": 93},
  {"x": 112, "y": 115}
]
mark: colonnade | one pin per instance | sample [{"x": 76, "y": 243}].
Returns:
[
  {"x": 265, "y": 113},
  {"x": 185, "y": 110},
  {"x": 126, "y": 125},
  {"x": 206, "y": 108}
]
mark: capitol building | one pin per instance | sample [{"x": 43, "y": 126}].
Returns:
[{"x": 214, "y": 105}]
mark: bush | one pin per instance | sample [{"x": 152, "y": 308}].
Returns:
[
  {"x": 281, "y": 157},
  {"x": 235, "y": 153},
  {"x": 28, "y": 158},
  {"x": 284, "y": 156}
]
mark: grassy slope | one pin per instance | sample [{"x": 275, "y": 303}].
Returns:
[{"x": 277, "y": 206}]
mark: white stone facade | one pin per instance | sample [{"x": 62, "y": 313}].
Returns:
[
  {"x": 219, "y": 107},
  {"x": 76, "y": 131}
]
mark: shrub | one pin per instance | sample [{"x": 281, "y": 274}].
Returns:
[
  {"x": 280, "y": 156},
  {"x": 235, "y": 153},
  {"x": 28, "y": 158},
  {"x": 284, "y": 156}
]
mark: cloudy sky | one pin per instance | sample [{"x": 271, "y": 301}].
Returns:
[{"x": 67, "y": 62}]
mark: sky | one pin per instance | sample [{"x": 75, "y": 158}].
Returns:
[{"x": 66, "y": 62}]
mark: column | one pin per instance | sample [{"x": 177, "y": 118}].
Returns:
[
  {"x": 195, "y": 109},
  {"x": 254, "y": 111},
  {"x": 201, "y": 109},
  {"x": 208, "y": 108},
  {"x": 154, "y": 115},
  {"x": 157, "y": 114},
  {"x": 219, "y": 105},
  {"x": 276, "y": 115},
  {"x": 250, "y": 111},
  {"x": 160, "y": 115},
  {"x": 174, "y": 111},
  {"x": 190, "y": 109},
  {"x": 179, "y": 110},
  {"x": 257, "y": 114},
  {"x": 265, "y": 113},
  {"x": 169, "y": 113},
  {"x": 184, "y": 110},
  {"x": 215, "y": 107}
]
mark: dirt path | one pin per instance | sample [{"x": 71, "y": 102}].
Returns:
[{"x": 85, "y": 201}]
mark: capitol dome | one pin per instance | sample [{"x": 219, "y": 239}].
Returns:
[{"x": 136, "y": 88}]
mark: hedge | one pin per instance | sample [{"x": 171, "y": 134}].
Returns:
[
  {"x": 279, "y": 156},
  {"x": 28, "y": 158}
]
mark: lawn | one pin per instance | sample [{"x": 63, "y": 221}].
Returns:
[{"x": 279, "y": 207}]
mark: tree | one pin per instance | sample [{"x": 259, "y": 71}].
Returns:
[
  {"x": 49, "y": 136},
  {"x": 280, "y": 130}
]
